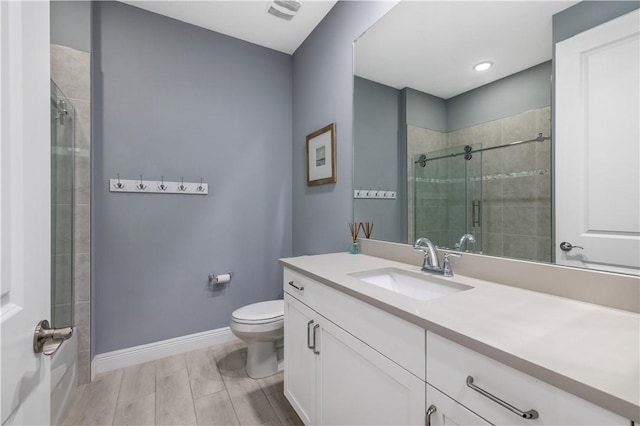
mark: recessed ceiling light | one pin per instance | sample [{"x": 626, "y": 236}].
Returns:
[{"x": 483, "y": 66}]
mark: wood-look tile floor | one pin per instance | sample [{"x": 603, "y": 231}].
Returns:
[{"x": 204, "y": 387}]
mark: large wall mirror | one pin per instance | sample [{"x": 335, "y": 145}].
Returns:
[{"x": 468, "y": 157}]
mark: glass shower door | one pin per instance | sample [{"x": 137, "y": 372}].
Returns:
[
  {"x": 62, "y": 207},
  {"x": 473, "y": 201},
  {"x": 448, "y": 197},
  {"x": 438, "y": 199}
]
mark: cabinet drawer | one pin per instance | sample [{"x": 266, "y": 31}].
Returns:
[
  {"x": 449, "y": 365},
  {"x": 393, "y": 337},
  {"x": 447, "y": 412},
  {"x": 299, "y": 286}
]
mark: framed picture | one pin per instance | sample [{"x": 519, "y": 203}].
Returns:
[{"x": 321, "y": 156}]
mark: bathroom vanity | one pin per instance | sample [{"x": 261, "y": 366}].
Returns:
[{"x": 359, "y": 352}]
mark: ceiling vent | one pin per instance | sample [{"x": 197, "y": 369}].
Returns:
[{"x": 284, "y": 9}]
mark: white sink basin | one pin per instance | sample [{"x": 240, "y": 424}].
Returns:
[{"x": 416, "y": 285}]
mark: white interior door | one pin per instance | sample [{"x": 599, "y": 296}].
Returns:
[
  {"x": 598, "y": 147},
  {"x": 24, "y": 209}
]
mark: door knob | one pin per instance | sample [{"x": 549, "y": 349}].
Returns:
[
  {"x": 567, "y": 246},
  {"x": 47, "y": 340}
]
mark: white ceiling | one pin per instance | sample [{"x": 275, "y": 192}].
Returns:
[
  {"x": 432, "y": 46},
  {"x": 245, "y": 19}
]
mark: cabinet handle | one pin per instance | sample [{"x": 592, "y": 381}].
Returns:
[
  {"x": 531, "y": 414},
  {"x": 315, "y": 347},
  {"x": 308, "y": 332},
  {"x": 432, "y": 409},
  {"x": 301, "y": 288}
]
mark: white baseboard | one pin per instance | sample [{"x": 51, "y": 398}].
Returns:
[{"x": 152, "y": 351}]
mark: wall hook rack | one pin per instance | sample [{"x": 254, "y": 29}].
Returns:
[
  {"x": 158, "y": 187},
  {"x": 374, "y": 193}
]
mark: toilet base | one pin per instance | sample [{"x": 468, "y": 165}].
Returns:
[{"x": 262, "y": 359}]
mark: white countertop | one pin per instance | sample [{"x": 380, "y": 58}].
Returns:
[{"x": 586, "y": 349}]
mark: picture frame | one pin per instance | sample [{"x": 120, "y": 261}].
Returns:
[{"x": 321, "y": 156}]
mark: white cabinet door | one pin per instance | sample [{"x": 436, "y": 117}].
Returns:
[
  {"x": 25, "y": 210},
  {"x": 444, "y": 411},
  {"x": 299, "y": 359},
  {"x": 597, "y": 145},
  {"x": 359, "y": 386}
]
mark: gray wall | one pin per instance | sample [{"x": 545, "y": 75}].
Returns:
[
  {"x": 323, "y": 93},
  {"x": 588, "y": 14},
  {"x": 177, "y": 100},
  {"x": 375, "y": 131},
  {"x": 71, "y": 24},
  {"x": 526, "y": 90},
  {"x": 425, "y": 110}
]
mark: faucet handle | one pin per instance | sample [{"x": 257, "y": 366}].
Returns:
[{"x": 446, "y": 266}]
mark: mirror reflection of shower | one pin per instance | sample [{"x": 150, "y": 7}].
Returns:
[
  {"x": 62, "y": 207},
  {"x": 61, "y": 110},
  {"x": 447, "y": 198},
  {"x": 485, "y": 198}
]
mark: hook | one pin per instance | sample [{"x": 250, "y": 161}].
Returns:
[
  {"x": 141, "y": 186},
  {"x": 162, "y": 186},
  {"x": 200, "y": 188},
  {"x": 119, "y": 185},
  {"x": 181, "y": 187}
]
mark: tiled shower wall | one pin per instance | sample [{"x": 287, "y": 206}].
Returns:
[
  {"x": 71, "y": 71},
  {"x": 516, "y": 184}
]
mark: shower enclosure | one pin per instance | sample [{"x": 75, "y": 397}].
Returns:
[
  {"x": 62, "y": 201},
  {"x": 64, "y": 362},
  {"x": 498, "y": 196}
]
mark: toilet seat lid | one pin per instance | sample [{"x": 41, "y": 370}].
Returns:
[{"x": 261, "y": 311}]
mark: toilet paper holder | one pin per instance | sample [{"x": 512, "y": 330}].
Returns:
[{"x": 220, "y": 278}]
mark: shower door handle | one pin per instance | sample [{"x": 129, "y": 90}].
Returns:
[
  {"x": 47, "y": 340},
  {"x": 475, "y": 213}
]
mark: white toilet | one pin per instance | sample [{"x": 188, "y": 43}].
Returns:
[{"x": 261, "y": 327}]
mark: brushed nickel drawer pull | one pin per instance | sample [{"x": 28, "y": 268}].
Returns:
[
  {"x": 308, "y": 334},
  {"x": 531, "y": 414},
  {"x": 432, "y": 409},
  {"x": 315, "y": 342},
  {"x": 301, "y": 288}
]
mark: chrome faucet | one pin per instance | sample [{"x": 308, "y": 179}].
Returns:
[
  {"x": 431, "y": 262},
  {"x": 468, "y": 238}
]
